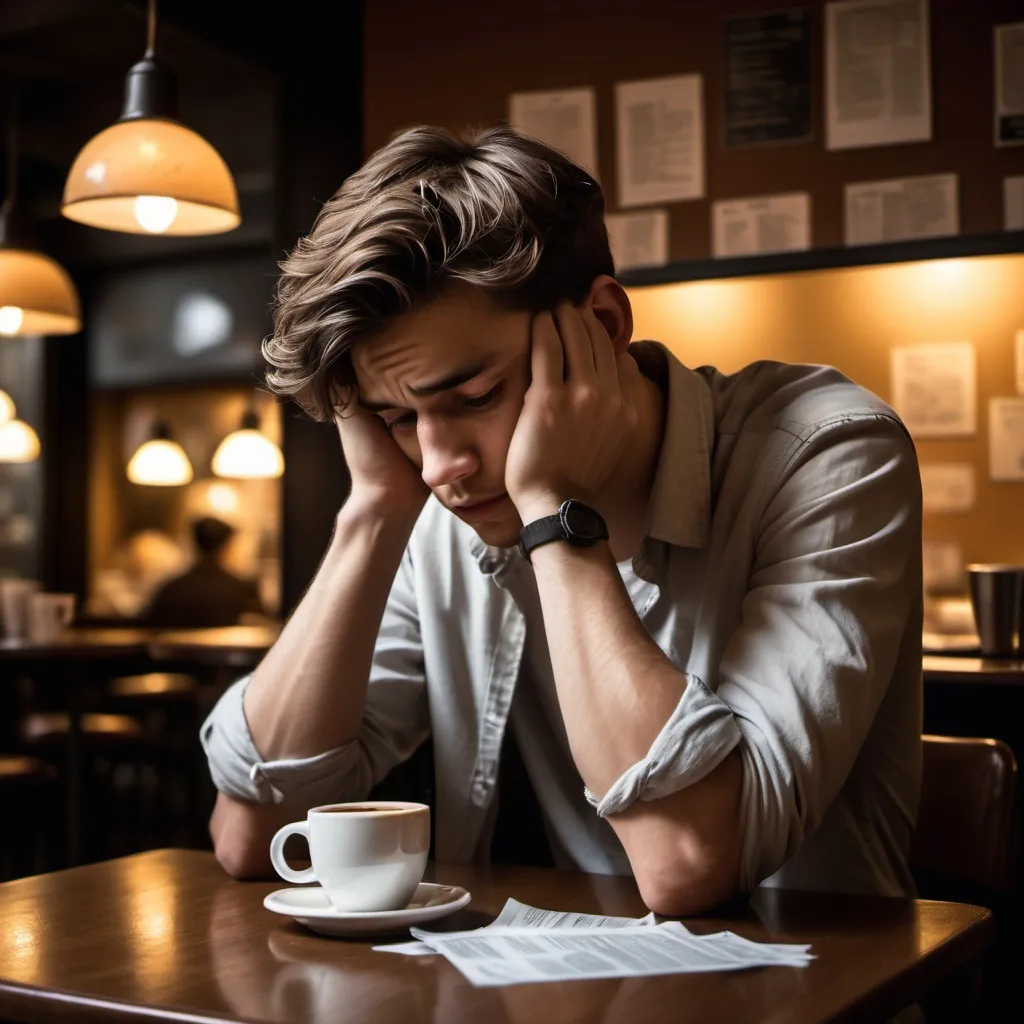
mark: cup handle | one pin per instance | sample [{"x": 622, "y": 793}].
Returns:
[{"x": 281, "y": 866}]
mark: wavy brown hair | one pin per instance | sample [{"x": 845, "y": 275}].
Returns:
[{"x": 497, "y": 210}]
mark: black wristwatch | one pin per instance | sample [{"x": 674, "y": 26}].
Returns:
[{"x": 574, "y": 522}]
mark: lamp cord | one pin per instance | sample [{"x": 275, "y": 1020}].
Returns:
[
  {"x": 151, "y": 29},
  {"x": 12, "y": 149}
]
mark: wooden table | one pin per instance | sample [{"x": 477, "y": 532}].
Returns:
[
  {"x": 78, "y": 655},
  {"x": 940, "y": 668},
  {"x": 167, "y": 936}
]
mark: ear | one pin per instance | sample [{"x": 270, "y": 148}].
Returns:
[{"x": 610, "y": 303}]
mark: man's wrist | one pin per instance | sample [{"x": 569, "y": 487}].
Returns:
[{"x": 538, "y": 506}]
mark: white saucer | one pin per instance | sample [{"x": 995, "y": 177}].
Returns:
[{"x": 309, "y": 905}]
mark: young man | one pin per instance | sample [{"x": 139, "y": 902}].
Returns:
[{"x": 710, "y": 658}]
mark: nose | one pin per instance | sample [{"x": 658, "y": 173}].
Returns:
[{"x": 447, "y": 454}]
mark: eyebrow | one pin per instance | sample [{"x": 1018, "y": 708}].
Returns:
[{"x": 453, "y": 380}]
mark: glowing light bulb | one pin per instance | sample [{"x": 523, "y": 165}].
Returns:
[
  {"x": 155, "y": 213},
  {"x": 11, "y": 318}
]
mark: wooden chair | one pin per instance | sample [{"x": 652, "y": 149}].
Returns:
[
  {"x": 964, "y": 849},
  {"x": 27, "y": 805},
  {"x": 966, "y": 832}
]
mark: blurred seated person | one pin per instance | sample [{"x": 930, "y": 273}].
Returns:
[
  {"x": 137, "y": 568},
  {"x": 207, "y": 594}
]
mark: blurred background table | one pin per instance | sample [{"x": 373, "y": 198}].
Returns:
[{"x": 81, "y": 662}]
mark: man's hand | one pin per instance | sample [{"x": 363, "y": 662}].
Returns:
[
  {"x": 578, "y": 414},
  {"x": 383, "y": 478}
]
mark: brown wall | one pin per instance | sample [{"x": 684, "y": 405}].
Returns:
[{"x": 455, "y": 64}]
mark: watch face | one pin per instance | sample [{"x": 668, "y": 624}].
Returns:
[{"x": 581, "y": 521}]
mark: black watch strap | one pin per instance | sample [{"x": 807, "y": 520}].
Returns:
[{"x": 574, "y": 522}]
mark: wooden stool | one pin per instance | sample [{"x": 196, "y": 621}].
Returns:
[
  {"x": 167, "y": 703},
  {"x": 27, "y": 805},
  {"x": 118, "y": 778},
  {"x": 51, "y": 728},
  {"x": 154, "y": 686}
]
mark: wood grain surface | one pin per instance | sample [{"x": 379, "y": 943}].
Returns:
[{"x": 168, "y": 936}]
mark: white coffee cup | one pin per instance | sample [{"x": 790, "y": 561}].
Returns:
[
  {"x": 14, "y": 595},
  {"x": 367, "y": 856},
  {"x": 48, "y": 614}
]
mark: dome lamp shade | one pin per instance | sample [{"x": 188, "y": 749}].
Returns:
[
  {"x": 148, "y": 173},
  {"x": 160, "y": 461},
  {"x": 247, "y": 453}
]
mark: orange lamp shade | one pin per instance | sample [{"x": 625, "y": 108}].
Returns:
[
  {"x": 151, "y": 176},
  {"x": 36, "y": 295}
]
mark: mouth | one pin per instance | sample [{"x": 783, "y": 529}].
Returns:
[{"x": 480, "y": 509}]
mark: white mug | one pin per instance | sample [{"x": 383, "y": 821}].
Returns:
[
  {"x": 367, "y": 856},
  {"x": 48, "y": 614},
  {"x": 14, "y": 595}
]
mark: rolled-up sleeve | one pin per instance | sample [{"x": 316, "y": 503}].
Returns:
[
  {"x": 832, "y": 584},
  {"x": 834, "y": 581},
  {"x": 395, "y": 723}
]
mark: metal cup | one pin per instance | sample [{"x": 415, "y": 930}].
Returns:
[{"x": 997, "y": 592}]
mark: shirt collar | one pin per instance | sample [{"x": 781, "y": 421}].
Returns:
[
  {"x": 679, "y": 511},
  {"x": 680, "y": 507}
]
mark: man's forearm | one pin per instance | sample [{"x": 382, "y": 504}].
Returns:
[
  {"x": 308, "y": 694},
  {"x": 616, "y": 689}
]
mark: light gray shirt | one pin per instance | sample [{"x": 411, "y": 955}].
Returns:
[{"x": 781, "y": 573}]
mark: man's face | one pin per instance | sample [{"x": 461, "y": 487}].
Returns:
[{"x": 449, "y": 380}]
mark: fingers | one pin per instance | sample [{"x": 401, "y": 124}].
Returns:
[
  {"x": 601, "y": 345},
  {"x": 577, "y": 344},
  {"x": 546, "y": 361}
]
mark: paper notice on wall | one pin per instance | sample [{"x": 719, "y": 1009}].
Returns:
[
  {"x": 1018, "y": 361},
  {"x": 660, "y": 140},
  {"x": 1006, "y": 438},
  {"x": 934, "y": 389},
  {"x": 763, "y": 224},
  {"x": 1009, "y": 41},
  {"x": 902, "y": 208},
  {"x": 1013, "y": 203},
  {"x": 878, "y": 78},
  {"x": 942, "y": 566},
  {"x": 947, "y": 486},
  {"x": 638, "y": 239},
  {"x": 565, "y": 120}
]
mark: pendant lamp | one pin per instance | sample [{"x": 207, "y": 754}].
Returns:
[
  {"x": 148, "y": 173},
  {"x": 247, "y": 453},
  {"x": 36, "y": 294},
  {"x": 18, "y": 442},
  {"x": 160, "y": 461}
]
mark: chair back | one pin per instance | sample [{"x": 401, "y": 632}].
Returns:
[{"x": 967, "y": 823}]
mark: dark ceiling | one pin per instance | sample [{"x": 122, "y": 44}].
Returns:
[{"x": 68, "y": 59}]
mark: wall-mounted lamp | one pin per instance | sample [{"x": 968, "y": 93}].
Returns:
[
  {"x": 247, "y": 453},
  {"x": 148, "y": 173},
  {"x": 160, "y": 461}
]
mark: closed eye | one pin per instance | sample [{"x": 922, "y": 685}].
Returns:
[
  {"x": 408, "y": 419},
  {"x": 482, "y": 401}
]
